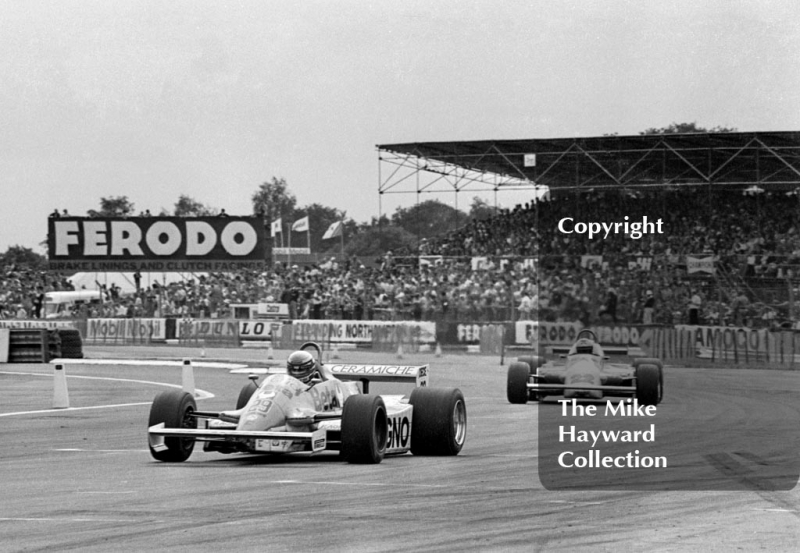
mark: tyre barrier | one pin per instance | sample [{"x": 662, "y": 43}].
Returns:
[
  {"x": 29, "y": 345},
  {"x": 71, "y": 343},
  {"x": 40, "y": 345}
]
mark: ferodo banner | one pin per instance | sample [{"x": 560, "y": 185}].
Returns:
[
  {"x": 156, "y": 243},
  {"x": 566, "y": 333}
]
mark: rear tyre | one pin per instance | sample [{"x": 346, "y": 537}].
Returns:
[
  {"x": 517, "y": 382},
  {"x": 648, "y": 384},
  {"x": 365, "y": 429},
  {"x": 174, "y": 409},
  {"x": 439, "y": 421},
  {"x": 245, "y": 394}
]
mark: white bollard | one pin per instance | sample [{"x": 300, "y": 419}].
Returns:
[
  {"x": 335, "y": 354},
  {"x": 438, "y": 350},
  {"x": 270, "y": 353},
  {"x": 400, "y": 351},
  {"x": 187, "y": 377},
  {"x": 60, "y": 393}
]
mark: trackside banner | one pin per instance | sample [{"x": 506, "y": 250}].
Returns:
[
  {"x": 361, "y": 331},
  {"x": 728, "y": 341},
  {"x": 566, "y": 333},
  {"x": 125, "y": 330},
  {"x": 156, "y": 243},
  {"x": 37, "y": 324}
]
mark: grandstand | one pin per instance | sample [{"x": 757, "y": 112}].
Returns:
[{"x": 730, "y": 256}]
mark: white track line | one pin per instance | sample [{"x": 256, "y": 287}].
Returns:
[{"x": 199, "y": 394}]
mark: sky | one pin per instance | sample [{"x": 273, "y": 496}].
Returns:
[{"x": 154, "y": 100}]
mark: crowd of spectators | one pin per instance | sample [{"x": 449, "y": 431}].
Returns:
[{"x": 530, "y": 270}]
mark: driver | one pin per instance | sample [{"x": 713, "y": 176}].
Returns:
[
  {"x": 302, "y": 365},
  {"x": 586, "y": 345}
]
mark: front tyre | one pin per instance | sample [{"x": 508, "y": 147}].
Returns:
[
  {"x": 174, "y": 408},
  {"x": 365, "y": 429},
  {"x": 245, "y": 394},
  {"x": 648, "y": 384},
  {"x": 517, "y": 382},
  {"x": 439, "y": 423}
]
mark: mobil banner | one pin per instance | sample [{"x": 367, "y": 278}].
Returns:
[
  {"x": 728, "y": 341},
  {"x": 125, "y": 330},
  {"x": 361, "y": 331}
]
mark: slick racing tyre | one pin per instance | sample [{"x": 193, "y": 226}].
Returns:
[
  {"x": 174, "y": 408},
  {"x": 648, "y": 384},
  {"x": 245, "y": 394},
  {"x": 657, "y": 363},
  {"x": 439, "y": 421},
  {"x": 517, "y": 382},
  {"x": 365, "y": 429}
]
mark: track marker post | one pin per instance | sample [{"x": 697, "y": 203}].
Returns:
[
  {"x": 187, "y": 377},
  {"x": 400, "y": 351},
  {"x": 60, "y": 392}
]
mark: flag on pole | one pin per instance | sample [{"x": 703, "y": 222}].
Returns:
[
  {"x": 276, "y": 226},
  {"x": 333, "y": 231},
  {"x": 301, "y": 225}
]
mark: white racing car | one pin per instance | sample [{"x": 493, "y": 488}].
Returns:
[
  {"x": 332, "y": 411},
  {"x": 585, "y": 373}
]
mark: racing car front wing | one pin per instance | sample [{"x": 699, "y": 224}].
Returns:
[
  {"x": 584, "y": 387},
  {"x": 317, "y": 440}
]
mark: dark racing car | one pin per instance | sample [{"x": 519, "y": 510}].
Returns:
[{"x": 584, "y": 372}]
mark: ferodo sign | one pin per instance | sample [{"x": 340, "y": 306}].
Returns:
[{"x": 156, "y": 243}]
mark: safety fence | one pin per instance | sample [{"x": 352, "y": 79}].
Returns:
[{"x": 673, "y": 344}]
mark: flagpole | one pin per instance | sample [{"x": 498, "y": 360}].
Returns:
[
  {"x": 290, "y": 245},
  {"x": 341, "y": 235}
]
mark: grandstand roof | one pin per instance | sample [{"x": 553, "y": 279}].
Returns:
[{"x": 730, "y": 159}]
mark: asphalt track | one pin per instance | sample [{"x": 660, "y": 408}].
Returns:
[{"x": 82, "y": 479}]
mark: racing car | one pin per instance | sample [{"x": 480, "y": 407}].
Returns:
[
  {"x": 585, "y": 373},
  {"x": 331, "y": 411}
]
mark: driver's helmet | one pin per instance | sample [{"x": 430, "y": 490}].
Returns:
[
  {"x": 584, "y": 345},
  {"x": 301, "y": 365}
]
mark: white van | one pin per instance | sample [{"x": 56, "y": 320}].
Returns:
[{"x": 60, "y": 305}]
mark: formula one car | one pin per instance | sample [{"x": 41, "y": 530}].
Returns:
[
  {"x": 584, "y": 373},
  {"x": 332, "y": 411}
]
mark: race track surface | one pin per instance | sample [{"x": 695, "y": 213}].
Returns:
[{"x": 83, "y": 480}]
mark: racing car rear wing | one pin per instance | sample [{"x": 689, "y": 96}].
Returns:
[
  {"x": 381, "y": 373},
  {"x": 362, "y": 373}
]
